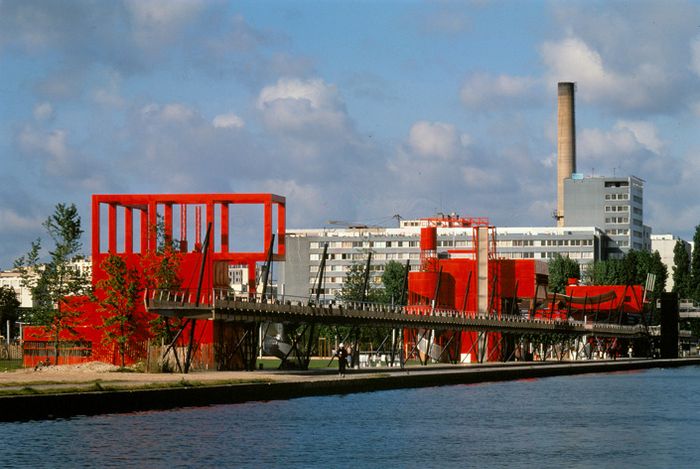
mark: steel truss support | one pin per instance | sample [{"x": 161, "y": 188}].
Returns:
[
  {"x": 237, "y": 345},
  {"x": 301, "y": 348}
]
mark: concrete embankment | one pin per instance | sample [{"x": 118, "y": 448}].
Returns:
[{"x": 47, "y": 404}]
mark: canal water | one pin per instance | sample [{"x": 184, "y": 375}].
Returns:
[{"x": 632, "y": 419}]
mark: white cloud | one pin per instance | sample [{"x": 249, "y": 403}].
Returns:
[
  {"x": 158, "y": 21},
  {"x": 434, "y": 139},
  {"x": 625, "y": 143},
  {"x": 43, "y": 111},
  {"x": 108, "y": 95},
  {"x": 293, "y": 104},
  {"x": 52, "y": 143},
  {"x": 228, "y": 121},
  {"x": 173, "y": 112},
  {"x": 598, "y": 145},
  {"x": 644, "y": 132},
  {"x": 574, "y": 60},
  {"x": 482, "y": 89},
  {"x": 695, "y": 55},
  {"x": 12, "y": 221},
  {"x": 477, "y": 177}
]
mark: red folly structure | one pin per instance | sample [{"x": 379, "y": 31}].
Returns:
[
  {"x": 138, "y": 226},
  {"x": 475, "y": 282}
]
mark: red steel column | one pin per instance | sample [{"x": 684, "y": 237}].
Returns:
[
  {"x": 281, "y": 228},
  {"x": 95, "y": 228},
  {"x": 210, "y": 219},
  {"x": 112, "y": 224},
  {"x": 183, "y": 227},
  {"x": 143, "y": 226},
  {"x": 168, "y": 224},
  {"x": 224, "y": 227},
  {"x": 128, "y": 230},
  {"x": 152, "y": 223},
  {"x": 268, "y": 224},
  {"x": 252, "y": 290}
]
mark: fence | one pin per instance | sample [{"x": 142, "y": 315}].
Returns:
[{"x": 10, "y": 356}]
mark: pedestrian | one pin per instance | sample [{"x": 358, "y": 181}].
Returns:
[{"x": 342, "y": 354}]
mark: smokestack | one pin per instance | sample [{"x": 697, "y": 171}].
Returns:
[{"x": 566, "y": 143}]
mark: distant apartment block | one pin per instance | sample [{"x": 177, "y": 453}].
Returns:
[
  {"x": 665, "y": 244},
  {"x": 615, "y": 205},
  {"x": 347, "y": 246},
  {"x": 13, "y": 279}
]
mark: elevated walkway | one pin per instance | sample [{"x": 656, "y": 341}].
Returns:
[{"x": 219, "y": 305}]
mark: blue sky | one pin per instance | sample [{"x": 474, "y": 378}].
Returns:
[{"x": 354, "y": 110}]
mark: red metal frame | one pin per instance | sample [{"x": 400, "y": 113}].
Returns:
[{"x": 145, "y": 209}]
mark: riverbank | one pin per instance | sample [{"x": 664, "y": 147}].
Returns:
[{"x": 27, "y": 395}]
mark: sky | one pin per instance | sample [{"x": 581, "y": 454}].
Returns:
[{"x": 353, "y": 110}]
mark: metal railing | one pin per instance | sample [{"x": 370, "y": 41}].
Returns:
[{"x": 225, "y": 299}]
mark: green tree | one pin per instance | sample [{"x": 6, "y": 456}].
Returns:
[
  {"x": 57, "y": 286},
  {"x": 120, "y": 299},
  {"x": 392, "y": 282},
  {"x": 651, "y": 263},
  {"x": 354, "y": 284},
  {"x": 161, "y": 271},
  {"x": 681, "y": 270},
  {"x": 561, "y": 269},
  {"x": 9, "y": 306},
  {"x": 632, "y": 269}
]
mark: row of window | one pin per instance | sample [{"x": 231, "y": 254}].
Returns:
[
  {"x": 364, "y": 244},
  {"x": 546, "y": 255},
  {"x": 617, "y": 208},
  {"x": 623, "y": 196},
  {"x": 624, "y": 220},
  {"x": 618, "y": 232}
]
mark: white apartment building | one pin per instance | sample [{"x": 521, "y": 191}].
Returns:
[
  {"x": 348, "y": 246},
  {"x": 13, "y": 279},
  {"x": 665, "y": 244}
]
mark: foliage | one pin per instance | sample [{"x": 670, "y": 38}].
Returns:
[
  {"x": 161, "y": 271},
  {"x": 354, "y": 284},
  {"x": 121, "y": 295},
  {"x": 57, "y": 286},
  {"x": 632, "y": 269},
  {"x": 392, "y": 281},
  {"x": 561, "y": 269},
  {"x": 681, "y": 270},
  {"x": 9, "y": 305}
]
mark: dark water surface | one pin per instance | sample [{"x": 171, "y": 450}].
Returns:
[{"x": 636, "y": 419}]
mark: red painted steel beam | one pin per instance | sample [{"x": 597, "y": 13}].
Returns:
[
  {"x": 224, "y": 227},
  {"x": 168, "y": 214},
  {"x": 128, "y": 230},
  {"x": 112, "y": 224}
]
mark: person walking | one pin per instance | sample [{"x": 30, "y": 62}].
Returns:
[{"x": 342, "y": 355}]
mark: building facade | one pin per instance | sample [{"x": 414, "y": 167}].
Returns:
[
  {"x": 615, "y": 205},
  {"x": 665, "y": 244},
  {"x": 13, "y": 278},
  {"x": 348, "y": 246}
]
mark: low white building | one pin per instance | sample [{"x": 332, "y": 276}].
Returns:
[
  {"x": 665, "y": 244},
  {"x": 12, "y": 278},
  {"x": 348, "y": 246}
]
